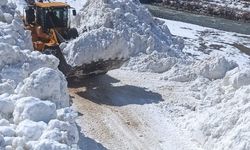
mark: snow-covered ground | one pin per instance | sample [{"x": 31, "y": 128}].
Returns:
[
  {"x": 182, "y": 108},
  {"x": 186, "y": 92},
  {"x": 120, "y": 112},
  {"x": 218, "y": 114}
]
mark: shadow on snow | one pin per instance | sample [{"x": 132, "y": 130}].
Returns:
[{"x": 100, "y": 89}]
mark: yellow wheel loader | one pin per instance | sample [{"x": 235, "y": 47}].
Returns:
[{"x": 49, "y": 23}]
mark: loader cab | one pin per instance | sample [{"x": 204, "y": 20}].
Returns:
[
  {"x": 52, "y": 15},
  {"x": 49, "y": 14},
  {"x": 49, "y": 23}
]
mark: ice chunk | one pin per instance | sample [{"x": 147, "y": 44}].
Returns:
[
  {"x": 241, "y": 78},
  {"x": 2, "y": 141},
  {"x": 30, "y": 130},
  {"x": 47, "y": 145},
  {"x": 6, "y": 107},
  {"x": 7, "y": 131},
  {"x": 70, "y": 131},
  {"x": 46, "y": 84},
  {"x": 6, "y": 87},
  {"x": 8, "y": 17},
  {"x": 18, "y": 143},
  {"x": 4, "y": 122},
  {"x": 8, "y": 140},
  {"x": 34, "y": 109},
  {"x": 215, "y": 67},
  {"x": 67, "y": 114}
]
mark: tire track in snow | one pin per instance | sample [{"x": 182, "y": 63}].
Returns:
[{"x": 130, "y": 125}]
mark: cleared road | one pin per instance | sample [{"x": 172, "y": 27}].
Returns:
[{"x": 118, "y": 115}]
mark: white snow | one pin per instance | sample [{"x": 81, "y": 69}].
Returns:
[
  {"x": 6, "y": 107},
  {"x": 69, "y": 132},
  {"x": 166, "y": 93},
  {"x": 4, "y": 122},
  {"x": 47, "y": 144},
  {"x": 205, "y": 95},
  {"x": 203, "y": 85},
  {"x": 2, "y": 142},
  {"x": 30, "y": 130},
  {"x": 34, "y": 109},
  {"x": 32, "y": 90},
  {"x": 118, "y": 29},
  {"x": 219, "y": 106},
  {"x": 46, "y": 84},
  {"x": 7, "y": 131},
  {"x": 215, "y": 68}
]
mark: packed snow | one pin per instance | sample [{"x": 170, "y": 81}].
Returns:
[
  {"x": 217, "y": 111},
  {"x": 201, "y": 84},
  {"x": 118, "y": 30},
  {"x": 209, "y": 73},
  {"x": 34, "y": 99}
]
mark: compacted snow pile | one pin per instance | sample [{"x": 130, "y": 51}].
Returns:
[
  {"x": 34, "y": 102},
  {"x": 215, "y": 105},
  {"x": 118, "y": 29},
  {"x": 218, "y": 114},
  {"x": 211, "y": 97},
  {"x": 220, "y": 117}
]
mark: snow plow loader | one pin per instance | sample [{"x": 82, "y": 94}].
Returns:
[{"x": 49, "y": 23}]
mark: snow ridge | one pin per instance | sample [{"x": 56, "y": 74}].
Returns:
[{"x": 34, "y": 100}]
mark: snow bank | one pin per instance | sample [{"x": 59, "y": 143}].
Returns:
[
  {"x": 238, "y": 78},
  {"x": 118, "y": 29},
  {"x": 221, "y": 115},
  {"x": 32, "y": 91},
  {"x": 225, "y": 119},
  {"x": 212, "y": 68}
]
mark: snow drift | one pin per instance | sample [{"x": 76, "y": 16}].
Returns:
[
  {"x": 214, "y": 106},
  {"x": 221, "y": 118},
  {"x": 34, "y": 99}
]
